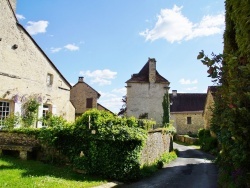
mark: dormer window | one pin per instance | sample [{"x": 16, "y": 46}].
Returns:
[{"x": 49, "y": 79}]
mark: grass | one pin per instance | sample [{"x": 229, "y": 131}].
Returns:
[
  {"x": 18, "y": 173},
  {"x": 185, "y": 144},
  {"x": 148, "y": 170}
]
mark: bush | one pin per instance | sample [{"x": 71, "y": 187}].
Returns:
[
  {"x": 207, "y": 142},
  {"x": 110, "y": 145}
]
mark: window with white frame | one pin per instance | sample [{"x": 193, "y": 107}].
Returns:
[
  {"x": 4, "y": 111},
  {"x": 49, "y": 80},
  {"x": 46, "y": 110}
]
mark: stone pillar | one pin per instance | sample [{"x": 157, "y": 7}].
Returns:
[{"x": 23, "y": 155}]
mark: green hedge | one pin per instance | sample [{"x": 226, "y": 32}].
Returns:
[{"x": 110, "y": 145}]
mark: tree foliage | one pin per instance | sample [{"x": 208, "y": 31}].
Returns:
[
  {"x": 231, "y": 114},
  {"x": 124, "y": 107},
  {"x": 166, "y": 109}
]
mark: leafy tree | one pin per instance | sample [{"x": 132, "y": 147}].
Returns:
[
  {"x": 231, "y": 114},
  {"x": 166, "y": 109},
  {"x": 124, "y": 106}
]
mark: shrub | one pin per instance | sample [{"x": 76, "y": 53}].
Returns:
[{"x": 207, "y": 142}]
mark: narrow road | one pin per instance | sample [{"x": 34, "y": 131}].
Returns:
[{"x": 192, "y": 169}]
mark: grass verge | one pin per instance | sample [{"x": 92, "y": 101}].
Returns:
[
  {"x": 185, "y": 144},
  {"x": 148, "y": 170},
  {"x": 18, "y": 173}
]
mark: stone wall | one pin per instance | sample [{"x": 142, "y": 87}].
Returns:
[
  {"x": 181, "y": 125},
  {"x": 185, "y": 139},
  {"x": 7, "y": 138},
  {"x": 157, "y": 144},
  {"x": 207, "y": 115},
  {"x": 25, "y": 68},
  {"x": 146, "y": 98}
]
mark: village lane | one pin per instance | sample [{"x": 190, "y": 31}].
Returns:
[{"x": 192, "y": 169}]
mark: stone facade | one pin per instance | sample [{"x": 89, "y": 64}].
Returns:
[
  {"x": 207, "y": 113},
  {"x": 83, "y": 97},
  {"x": 145, "y": 92},
  {"x": 182, "y": 125},
  {"x": 27, "y": 71},
  {"x": 157, "y": 144},
  {"x": 186, "y": 111}
]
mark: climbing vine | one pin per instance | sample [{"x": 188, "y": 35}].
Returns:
[
  {"x": 29, "y": 112},
  {"x": 231, "y": 114}
]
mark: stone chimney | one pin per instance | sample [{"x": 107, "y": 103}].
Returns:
[
  {"x": 80, "y": 79},
  {"x": 13, "y": 5},
  {"x": 174, "y": 93},
  {"x": 152, "y": 70}
]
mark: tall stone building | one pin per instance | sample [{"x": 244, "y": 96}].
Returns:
[
  {"x": 145, "y": 91},
  {"x": 26, "y": 71}
]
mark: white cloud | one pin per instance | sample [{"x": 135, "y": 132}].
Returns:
[
  {"x": 54, "y": 50},
  {"x": 191, "y": 89},
  {"x": 112, "y": 100},
  {"x": 101, "y": 77},
  {"x": 122, "y": 91},
  {"x": 173, "y": 26},
  {"x": 71, "y": 47},
  {"x": 37, "y": 27},
  {"x": 183, "y": 81},
  {"x": 20, "y": 17}
]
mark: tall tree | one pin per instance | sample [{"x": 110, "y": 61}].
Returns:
[
  {"x": 231, "y": 114},
  {"x": 166, "y": 109},
  {"x": 124, "y": 107}
]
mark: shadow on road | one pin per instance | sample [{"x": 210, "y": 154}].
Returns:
[{"x": 189, "y": 175}]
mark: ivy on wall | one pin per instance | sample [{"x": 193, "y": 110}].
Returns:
[{"x": 231, "y": 114}]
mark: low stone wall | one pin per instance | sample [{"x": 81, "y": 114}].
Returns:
[
  {"x": 19, "y": 142},
  {"x": 7, "y": 138},
  {"x": 157, "y": 144},
  {"x": 185, "y": 139}
]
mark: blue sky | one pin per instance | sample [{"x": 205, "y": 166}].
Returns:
[{"x": 108, "y": 41}]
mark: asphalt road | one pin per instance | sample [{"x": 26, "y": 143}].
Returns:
[{"x": 192, "y": 169}]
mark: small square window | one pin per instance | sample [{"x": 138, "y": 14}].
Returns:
[
  {"x": 189, "y": 120},
  {"x": 49, "y": 79}
]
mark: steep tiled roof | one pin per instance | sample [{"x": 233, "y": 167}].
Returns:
[
  {"x": 88, "y": 86},
  {"x": 143, "y": 76},
  {"x": 184, "y": 102}
]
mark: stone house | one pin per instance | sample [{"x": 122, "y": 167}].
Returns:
[
  {"x": 186, "y": 111},
  {"x": 26, "y": 71},
  {"x": 84, "y": 97},
  {"x": 145, "y": 91},
  {"x": 209, "y": 104}
]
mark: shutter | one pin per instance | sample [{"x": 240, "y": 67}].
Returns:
[
  {"x": 18, "y": 111},
  {"x": 40, "y": 115},
  {"x": 54, "y": 109}
]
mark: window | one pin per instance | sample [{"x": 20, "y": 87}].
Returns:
[
  {"x": 49, "y": 80},
  {"x": 46, "y": 111},
  {"x": 4, "y": 111},
  {"x": 189, "y": 120},
  {"x": 89, "y": 103}
]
